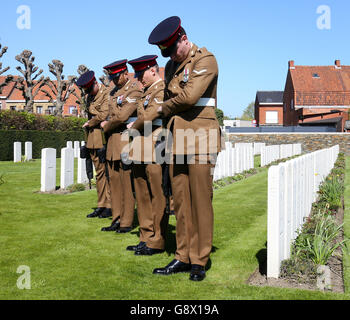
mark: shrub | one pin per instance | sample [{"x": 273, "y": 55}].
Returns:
[
  {"x": 14, "y": 120},
  {"x": 76, "y": 187},
  {"x": 331, "y": 192}
]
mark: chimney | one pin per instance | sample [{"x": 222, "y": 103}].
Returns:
[
  {"x": 291, "y": 64},
  {"x": 337, "y": 64}
]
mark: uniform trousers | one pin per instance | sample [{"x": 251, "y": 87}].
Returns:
[
  {"x": 193, "y": 193},
  {"x": 122, "y": 198},
  {"x": 151, "y": 204},
  {"x": 102, "y": 186}
]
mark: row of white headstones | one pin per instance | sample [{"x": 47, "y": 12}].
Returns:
[
  {"x": 28, "y": 150},
  {"x": 230, "y": 161},
  {"x": 48, "y": 167},
  {"x": 292, "y": 188},
  {"x": 235, "y": 160}
]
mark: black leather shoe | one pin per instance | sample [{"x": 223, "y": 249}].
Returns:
[
  {"x": 197, "y": 273},
  {"x": 113, "y": 227},
  {"x": 137, "y": 247},
  {"x": 106, "y": 213},
  {"x": 96, "y": 213},
  {"x": 124, "y": 229},
  {"x": 174, "y": 266},
  {"x": 146, "y": 251}
]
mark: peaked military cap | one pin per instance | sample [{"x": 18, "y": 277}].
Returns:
[
  {"x": 86, "y": 80},
  {"x": 166, "y": 34},
  {"x": 143, "y": 63},
  {"x": 116, "y": 68}
]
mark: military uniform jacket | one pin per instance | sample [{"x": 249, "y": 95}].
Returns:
[
  {"x": 143, "y": 146},
  {"x": 191, "y": 101},
  {"x": 122, "y": 106},
  {"x": 97, "y": 113}
]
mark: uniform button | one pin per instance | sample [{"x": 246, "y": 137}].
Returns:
[{"x": 175, "y": 75}]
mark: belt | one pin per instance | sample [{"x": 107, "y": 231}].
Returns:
[
  {"x": 157, "y": 122},
  {"x": 131, "y": 119},
  {"x": 206, "y": 102}
]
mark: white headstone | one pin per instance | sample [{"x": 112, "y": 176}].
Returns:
[
  {"x": 28, "y": 151},
  {"x": 76, "y": 149},
  {"x": 69, "y": 144},
  {"x": 81, "y": 176},
  {"x": 67, "y": 167},
  {"x": 275, "y": 222},
  {"x": 17, "y": 152},
  {"x": 48, "y": 170}
]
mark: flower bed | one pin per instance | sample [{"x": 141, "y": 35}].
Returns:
[{"x": 319, "y": 243}]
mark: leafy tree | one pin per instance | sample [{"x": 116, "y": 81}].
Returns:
[
  {"x": 220, "y": 116},
  {"x": 248, "y": 113}
]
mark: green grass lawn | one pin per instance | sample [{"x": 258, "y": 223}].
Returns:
[{"x": 70, "y": 258}]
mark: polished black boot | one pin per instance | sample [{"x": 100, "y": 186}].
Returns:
[
  {"x": 113, "y": 227},
  {"x": 146, "y": 251},
  {"x": 137, "y": 247},
  {"x": 124, "y": 229},
  {"x": 197, "y": 273},
  {"x": 96, "y": 213},
  {"x": 106, "y": 213},
  {"x": 174, "y": 266}
]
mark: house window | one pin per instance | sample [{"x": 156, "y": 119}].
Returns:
[
  {"x": 50, "y": 109},
  {"x": 13, "y": 108},
  {"x": 292, "y": 105},
  {"x": 72, "y": 110},
  {"x": 271, "y": 117},
  {"x": 39, "y": 109}
]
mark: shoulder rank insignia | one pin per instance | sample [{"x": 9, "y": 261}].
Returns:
[
  {"x": 145, "y": 104},
  {"x": 120, "y": 100},
  {"x": 186, "y": 75}
]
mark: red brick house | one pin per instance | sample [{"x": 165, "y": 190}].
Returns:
[
  {"x": 12, "y": 99},
  {"x": 269, "y": 108},
  {"x": 317, "y": 96}
]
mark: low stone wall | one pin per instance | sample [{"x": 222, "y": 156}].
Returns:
[{"x": 309, "y": 141}]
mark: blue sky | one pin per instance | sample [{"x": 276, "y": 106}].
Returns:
[{"x": 252, "y": 39}]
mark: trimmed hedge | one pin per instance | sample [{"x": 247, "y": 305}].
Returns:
[
  {"x": 14, "y": 120},
  {"x": 40, "y": 140}
]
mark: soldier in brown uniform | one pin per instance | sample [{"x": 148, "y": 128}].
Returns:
[
  {"x": 191, "y": 80},
  {"x": 147, "y": 173},
  {"x": 122, "y": 104},
  {"x": 97, "y": 106}
]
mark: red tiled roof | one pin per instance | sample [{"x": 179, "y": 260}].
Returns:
[
  {"x": 7, "y": 89},
  {"x": 12, "y": 93},
  {"x": 330, "y": 87}
]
